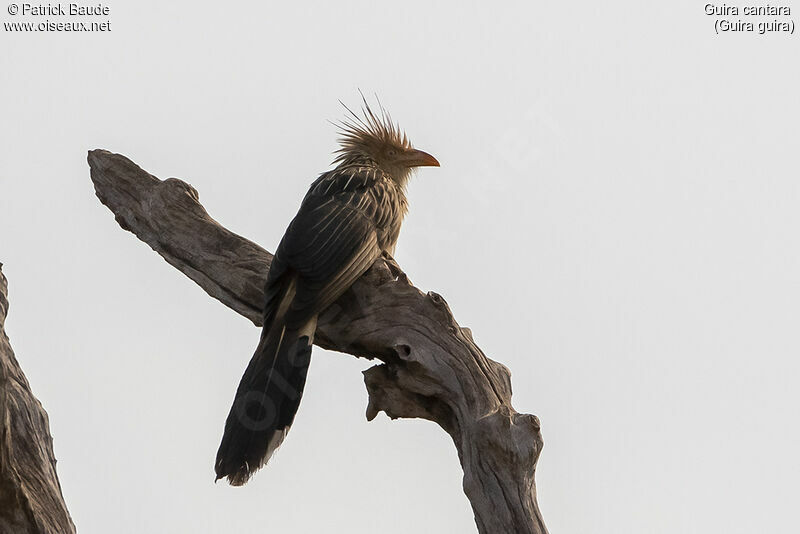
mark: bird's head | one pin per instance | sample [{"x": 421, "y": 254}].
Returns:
[{"x": 377, "y": 139}]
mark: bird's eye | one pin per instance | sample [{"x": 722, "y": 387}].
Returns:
[{"x": 391, "y": 152}]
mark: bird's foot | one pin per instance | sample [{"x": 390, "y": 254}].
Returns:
[{"x": 394, "y": 268}]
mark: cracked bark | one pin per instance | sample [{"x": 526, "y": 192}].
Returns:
[
  {"x": 432, "y": 368},
  {"x": 30, "y": 494}
]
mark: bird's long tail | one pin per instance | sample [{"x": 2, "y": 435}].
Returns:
[{"x": 268, "y": 396}]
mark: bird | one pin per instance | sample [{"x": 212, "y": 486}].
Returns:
[{"x": 350, "y": 217}]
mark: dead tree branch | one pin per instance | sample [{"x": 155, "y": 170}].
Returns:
[
  {"x": 30, "y": 494},
  {"x": 431, "y": 366}
]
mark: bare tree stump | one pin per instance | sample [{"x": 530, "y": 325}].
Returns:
[
  {"x": 30, "y": 494},
  {"x": 431, "y": 366}
]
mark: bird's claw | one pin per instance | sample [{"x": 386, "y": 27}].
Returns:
[{"x": 394, "y": 268}]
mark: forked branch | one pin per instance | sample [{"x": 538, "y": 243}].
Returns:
[{"x": 431, "y": 367}]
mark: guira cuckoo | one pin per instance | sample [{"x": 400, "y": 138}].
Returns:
[{"x": 350, "y": 216}]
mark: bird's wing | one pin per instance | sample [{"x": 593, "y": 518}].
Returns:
[{"x": 331, "y": 242}]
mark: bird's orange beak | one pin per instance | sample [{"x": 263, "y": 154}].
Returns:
[{"x": 418, "y": 158}]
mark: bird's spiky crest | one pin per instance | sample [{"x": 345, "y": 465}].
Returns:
[{"x": 358, "y": 135}]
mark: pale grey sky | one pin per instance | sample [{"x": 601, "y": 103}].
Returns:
[{"x": 616, "y": 219}]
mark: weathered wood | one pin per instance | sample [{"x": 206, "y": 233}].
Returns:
[
  {"x": 431, "y": 366},
  {"x": 30, "y": 494}
]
